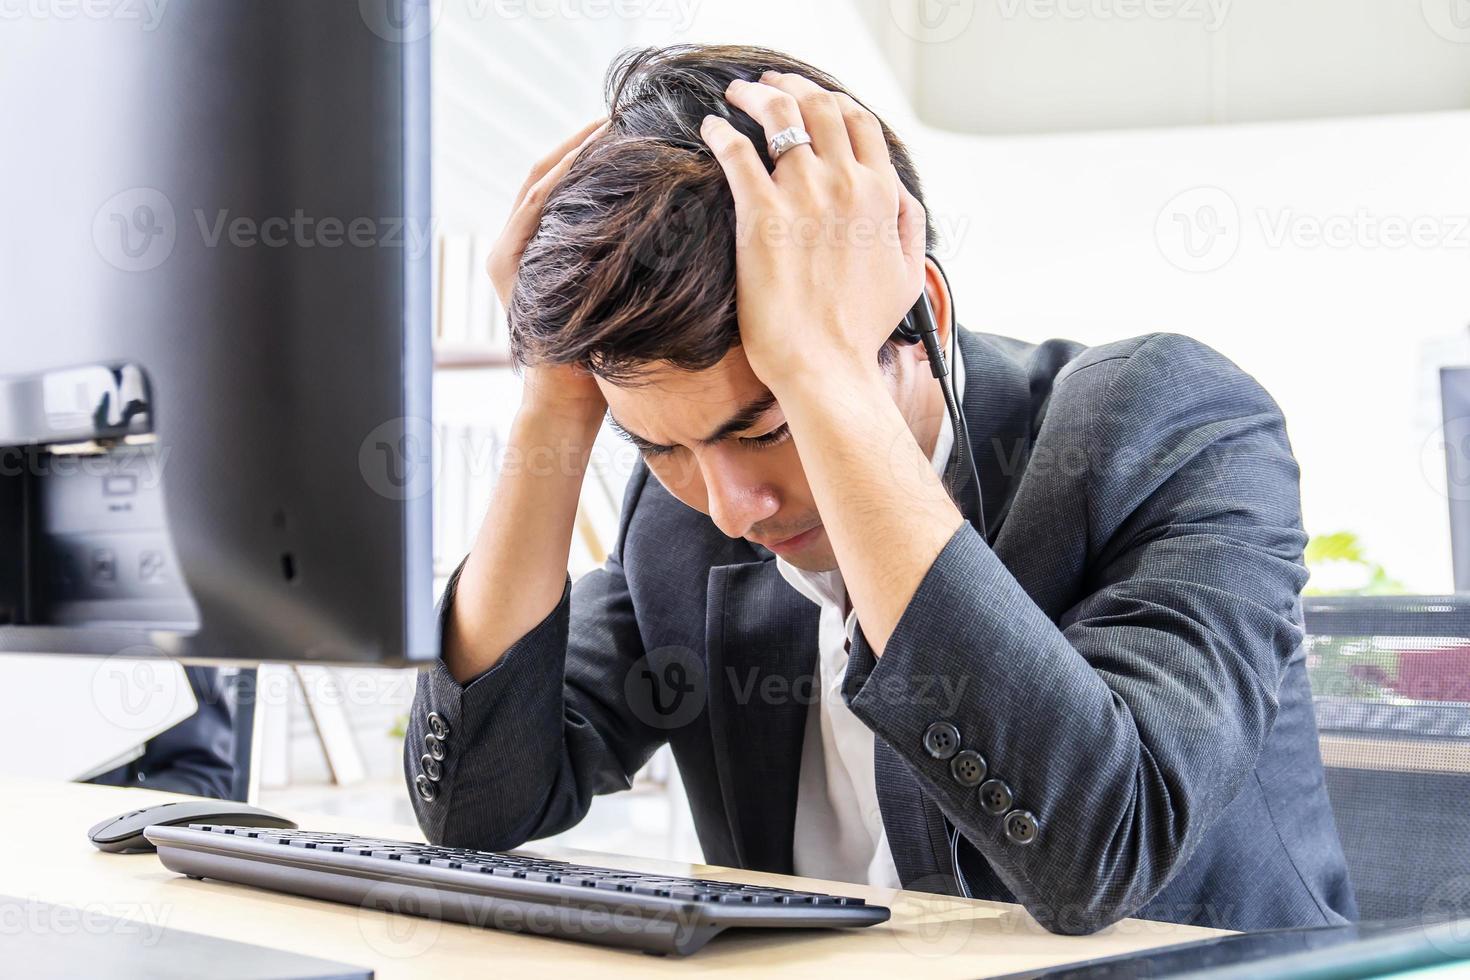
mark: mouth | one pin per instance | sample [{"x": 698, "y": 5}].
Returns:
[{"x": 793, "y": 544}]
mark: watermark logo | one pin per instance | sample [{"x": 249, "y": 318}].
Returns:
[
  {"x": 137, "y": 689},
  {"x": 305, "y": 231},
  {"x": 932, "y": 21},
  {"x": 1447, "y": 916},
  {"x": 1198, "y": 230},
  {"x": 401, "y": 21},
  {"x": 685, "y": 223},
  {"x": 136, "y": 231},
  {"x": 398, "y": 458},
  {"x": 929, "y": 924},
  {"x": 1445, "y": 459},
  {"x": 1450, "y": 19},
  {"x": 410, "y": 931},
  {"x": 667, "y": 688}
]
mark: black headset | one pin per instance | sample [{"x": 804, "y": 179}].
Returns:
[{"x": 919, "y": 327}]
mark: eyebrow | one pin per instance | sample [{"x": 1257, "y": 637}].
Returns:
[{"x": 747, "y": 416}]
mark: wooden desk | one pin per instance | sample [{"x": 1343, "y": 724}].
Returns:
[{"x": 45, "y": 857}]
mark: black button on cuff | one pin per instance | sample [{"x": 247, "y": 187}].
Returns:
[
  {"x": 425, "y": 789},
  {"x": 995, "y": 797},
  {"x": 941, "y": 740},
  {"x": 431, "y": 768},
  {"x": 1020, "y": 827},
  {"x": 968, "y": 768},
  {"x": 434, "y": 747},
  {"x": 438, "y": 725}
]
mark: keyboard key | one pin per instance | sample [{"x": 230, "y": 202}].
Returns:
[{"x": 693, "y": 894}]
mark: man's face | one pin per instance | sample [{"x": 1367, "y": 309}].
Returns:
[{"x": 717, "y": 440}]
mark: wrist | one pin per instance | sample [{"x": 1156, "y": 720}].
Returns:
[
  {"x": 560, "y": 419},
  {"x": 546, "y": 442},
  {"x": 821, "y": 378}
]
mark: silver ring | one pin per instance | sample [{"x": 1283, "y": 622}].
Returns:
[{"x": 791, "y": 136}]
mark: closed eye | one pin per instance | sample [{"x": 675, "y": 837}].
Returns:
[
  {"x": 648, "y": 449},
  {"x": 775, "y": 437}
]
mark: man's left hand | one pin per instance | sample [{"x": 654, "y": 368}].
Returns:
[{"x": 829, "y": 247}]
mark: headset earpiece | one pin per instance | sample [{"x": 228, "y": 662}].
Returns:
[
  {"x": 910, "y": 331},
  {"x": 916, "y": 323}
]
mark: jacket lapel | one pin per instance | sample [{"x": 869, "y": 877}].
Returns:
[{"x": 761, "y": 643}]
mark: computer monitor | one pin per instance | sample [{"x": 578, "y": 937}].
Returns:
[
  {"x": 215, "y": 359},
  {"x": 1454, "y": 387}
]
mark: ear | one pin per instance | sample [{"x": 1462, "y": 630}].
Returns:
[{"x": 939, "y": 299}]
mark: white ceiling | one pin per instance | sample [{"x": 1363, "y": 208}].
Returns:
[{"x": 1032, "y": 66}]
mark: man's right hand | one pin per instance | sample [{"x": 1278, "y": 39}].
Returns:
[
  {"x": 515, "y": 573},
  {"x": 557, "y": 391},
  {"x": 525, "y": 213}
]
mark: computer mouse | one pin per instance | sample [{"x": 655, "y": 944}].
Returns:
[{"x": 123, "y": 834}]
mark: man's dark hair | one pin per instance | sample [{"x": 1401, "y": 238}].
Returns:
[{"x": 634, "y": 260}]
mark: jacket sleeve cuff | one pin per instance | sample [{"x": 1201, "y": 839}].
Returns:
[
  {"x": 922, "y": 683},
  {"x": 527, "y": 674}
]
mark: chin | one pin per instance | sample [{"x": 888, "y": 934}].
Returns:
[{"x": 817, "y": 557}]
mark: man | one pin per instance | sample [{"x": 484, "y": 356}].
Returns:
[{"x": 1092, "y": 701}]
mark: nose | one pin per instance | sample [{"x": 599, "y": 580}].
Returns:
[{"x": 738, "y": 499}]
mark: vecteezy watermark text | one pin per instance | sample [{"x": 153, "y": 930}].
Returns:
[
  {"x": 31, "y": 917},
  {"x": 1202, "y": 229},
  {"x": 1210, "y": 14},
  {"x": 302, "y": 230},
  {"x": 138, "y": 230},
  {"x": 148, "y": 13}
]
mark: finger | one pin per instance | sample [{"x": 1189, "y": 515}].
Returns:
[
  {"x": 525, "y": 217},
  {"x": 865, "y": 133},
  {"x": 739, "y": 160},
  {"x": 775, "y": 111},
  {"x": 821, "y": 113},
  {"x": 571, "y": 144},
  {"x": 913, "y": 229},
  {"x": 526, "y": 214}
]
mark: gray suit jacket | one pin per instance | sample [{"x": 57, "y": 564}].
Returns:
[{"x": 1125, "y": 653}]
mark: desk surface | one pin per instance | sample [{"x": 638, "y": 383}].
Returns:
[{"x": 45, "y": 857}]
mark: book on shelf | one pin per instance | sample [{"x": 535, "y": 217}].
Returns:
[{"x": 471, "y": 329}]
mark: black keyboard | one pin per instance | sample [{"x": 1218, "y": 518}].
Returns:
[{"x": 519, "y": 892}]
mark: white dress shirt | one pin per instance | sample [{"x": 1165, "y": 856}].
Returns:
[{"x": 839, "y": 830}]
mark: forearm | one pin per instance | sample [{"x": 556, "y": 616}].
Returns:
[
  {"x": 516, "y": 571},
  {"x": 884, "y": 508}
]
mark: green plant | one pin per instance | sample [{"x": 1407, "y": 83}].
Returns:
[{"x": 1342, "y": 549}]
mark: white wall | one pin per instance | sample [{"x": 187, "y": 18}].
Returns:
[{"x": 1079, "y": 236}]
